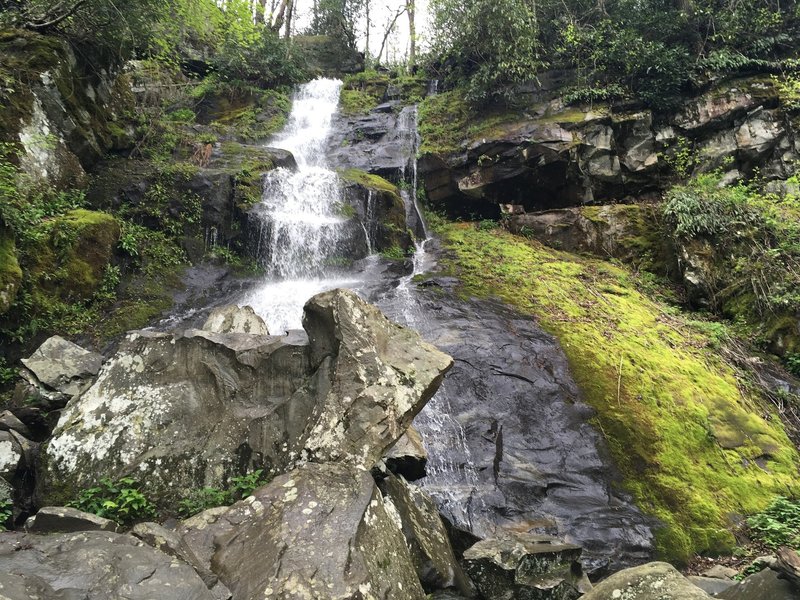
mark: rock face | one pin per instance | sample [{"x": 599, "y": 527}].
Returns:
[
  {"x": 195, "y": 409},
  {"x": 62, "y": 134},
  {"x": 408, "y": 456},
  {"x": 526, "y": 567},
  {"x": 528, "y": 460},
  {"x": 624, "y": 231},
  {"x": 93, "y": 565},
  {"x": 321, "y": 531},
  {"x": 653, "y": 581},
  {"x": 559, "y": 156}
]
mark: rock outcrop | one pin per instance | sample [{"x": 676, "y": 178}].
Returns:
[
  {"x": 62, "y": 367},
  {"x": 557, "y": 156},
  {"x": 193, "y": 410}
]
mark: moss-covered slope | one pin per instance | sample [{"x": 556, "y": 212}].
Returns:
[{"x": 694, "y": 446}]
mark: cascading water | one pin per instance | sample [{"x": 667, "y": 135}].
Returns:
[{"x": 301, "y": 227}]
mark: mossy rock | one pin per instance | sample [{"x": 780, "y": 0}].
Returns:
[
  {"x": 388, "y": 212},
  {"x": 10, "y": 272},
  {"x": 693, "y": 446},
  {"x": 71, "y": 259}
]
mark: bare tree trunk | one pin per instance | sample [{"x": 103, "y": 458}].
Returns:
[
  {"x": 388, "y": 32},
  {"x": 289, "y": 15},
  {"x": 261, "y": 11},
  {"x": 412, "y": 36},
  {"x": 366, "y": 46},
  {"x": 279, "y": 18},
  {"x": 55, "y": 15}
]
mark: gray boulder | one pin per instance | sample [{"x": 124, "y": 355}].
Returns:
[
  {"x": 96, "y": 565},
  {"x": 196, "y": 409},
  {"x": 322, "y": 532},
  {"x": 526, "y": 567},
  {"x": 712, "y": 585},
  {"x": 9, "y": 422},
  {"x": 653, "y": 581},
  {"x": 764, "y": 585},
  {"x": 62, "y": 366},
  {"x": 380, "y": 376},
  {"x": 235, "y": 319},
  {"x": 63, "y": 519},
  {"x": 426, "y": 537}
]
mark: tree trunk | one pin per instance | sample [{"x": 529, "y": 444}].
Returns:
[
  {"x": 366, "y": 46},
  {"x": 278, "y": 22},
  {"x": 412, "y": 36},
  {"x": 289, "y": 16}
]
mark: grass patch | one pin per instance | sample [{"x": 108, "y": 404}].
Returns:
[
  {"x": 375, "y": 182},
  {"x": 686, "y": 437}
]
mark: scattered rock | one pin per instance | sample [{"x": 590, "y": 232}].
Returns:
[
  {"x": 653, "y": 581},
  {"x": 712, "y": 585},
  {"x": 235, "y": 319},
  {"x": 97, "y": 565},
  {"x": 380, "y": 374},
  {"x": 720, "y": 572},
  {"x": 63, "y": 519},
  {"x": 9, "y": 422},
  {"x": 426, "y": 537},
  {"x": 63, "y": 366},
  {"x": 526, "y": 566}
]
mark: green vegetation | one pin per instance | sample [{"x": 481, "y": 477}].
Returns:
[
  {"x": 649, "y": 50},
  {"x": 361, "y": 92},
  {"x": 753, "y": 241},
  {"x": 778, "y": 524},
  {"x": 684, "y": 433},
  {"x": 368, "y": 180},
  {"x": 6, "y": 512},
  {"x": 120, "y": 501},
  {"x": 208, "y": 497}
]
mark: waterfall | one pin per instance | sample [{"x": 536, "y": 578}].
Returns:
[{"x": 301, "y": 225}]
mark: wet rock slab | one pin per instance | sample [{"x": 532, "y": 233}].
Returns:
[
  {"x": 653, "y": 581},
  {"x": 509, "y": 440}
]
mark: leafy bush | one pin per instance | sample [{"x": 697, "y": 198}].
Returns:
[
  {"x": 120, "y": 501},
  {"x": 779, "y": 524},
  {"x": 209, "y": 497},
  {"x": 6, "y": 511},
  {"x": 793, "y": 363}
]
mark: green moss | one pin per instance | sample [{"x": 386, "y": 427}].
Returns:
[
  {"x": 368, "y": 180},
  {"x": 683, "y": 433},
  {"x": 10, "y": 272},
  {"x": 443, "y": 122}
]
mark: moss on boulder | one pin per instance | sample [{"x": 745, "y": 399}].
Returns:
[
  {"x": 74, "y": 251},
  {"x": 694, "y": 447}
]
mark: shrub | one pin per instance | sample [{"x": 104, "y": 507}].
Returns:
[
  {"x": 120, "y": 501},
  {"x": 779, "y": 524}
]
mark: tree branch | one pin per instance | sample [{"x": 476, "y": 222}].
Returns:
[{"x": 44, "y": 23}]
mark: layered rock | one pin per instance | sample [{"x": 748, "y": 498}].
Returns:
[
  {"x": 555, "y": 156},
  {"x": 193, "y": 410}
]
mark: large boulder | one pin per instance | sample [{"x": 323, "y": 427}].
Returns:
[
  {"x": 653, "y": 581},
  {"x": 235, "y": 319},
  {"x": 764, "y": 585},
  {"x": 94, "y": 565},
  {"x": 63, "y": 519},
  {"x": 193, "y": 410},
  {"x": 526, "y": 567},
  {"x": 321, "y": 531},
  {"x": 380, "y": 374}
]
